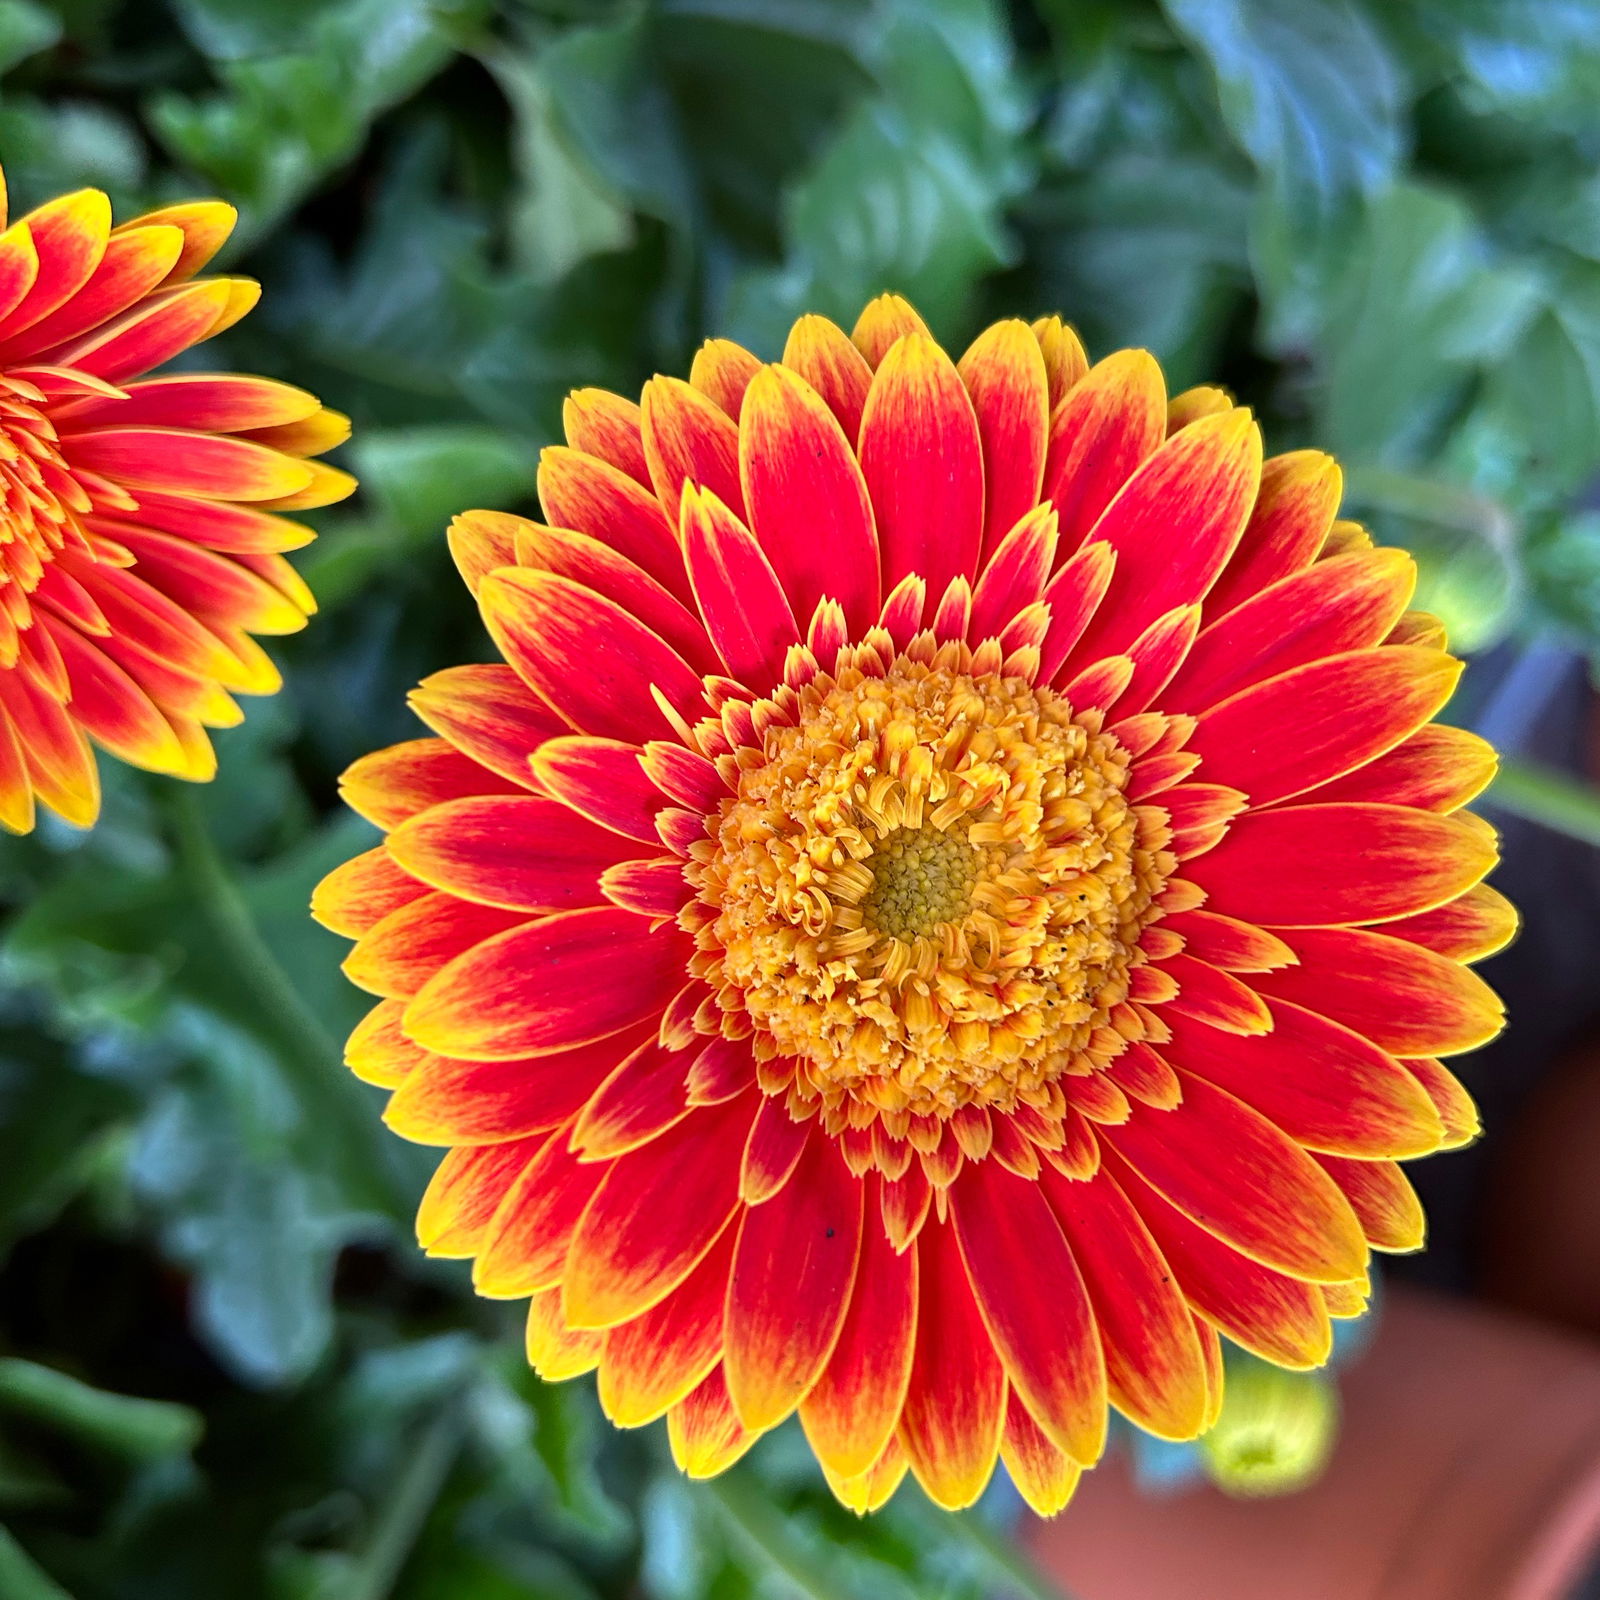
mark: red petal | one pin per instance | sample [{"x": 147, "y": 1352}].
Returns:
[
  {"x": 1329, "y": 1089},
  {"x": 688, "y": 438},
  {"x": 549, "y": 985},
  {"x": 882, "y": 324},
  {"x": 1174, "y": 525},
  {"x": 1211, "y": 995},
  {"x": 1016, "y": 574},
  {"x": 590, "y": 496},
  {"x": 1044, "y": 1476},
  {"x": 746, "y": 612},
  {"x": 956, "y": 1397},
  {"x": 1074, "y": 595},
  {"x": 1064, "y": 357},
  {"x": 486, "y": 711},
  {"x": 853, "y": 1408},
  {"x": 378, "y": 1051},
  {"x": 1224, "y": 942},
  {"x": 923, "y": 465},
  {"x": 1155, "y": 1367},
  {"x": 722, "y": 371},
  {"x": 1348, "y": 603},
  {"x": 1107, "y": 424},
  {"x": 1293, "y": 732},
  {"x": 704, "y": 1432},
  {"x": 1005, "y": 375},
  {"x": 217, "y": 465},
  {"x": 1233, "y": 1172},
  {"x": 1294, "y": 509},
  {"x": 658, "y": 1212},
  {"x": 601, "y": 779},
  {"x": 1034, "y": 1304},
  {"x": 792, "y": 1276},
  {"x": 486, "y": 1102},
  {"x": 592, "y": 661},
  {"x": 527, "y": 1245},
  {"x": 1278, "y": 1318},
  {"x": 522, "y": 852},
  {"x": 1477, "y": 924},
  {"x": 641, "y": 1098},
  {"x": 1407, "y": 1000},
  {"x": 1437, "y": 769},
  {"x": 397, "y": 956},
  {"x": 808, "y": 501},
  {"x": 777, "y": 1140},
  {"x": 821, "y": 352},
  {"x": 1306, "y": 866},
  {"x": 69, "y": 236},
  {"x": 654, "y": 1361}
]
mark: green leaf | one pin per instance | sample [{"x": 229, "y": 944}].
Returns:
[
  {"x": 21, "y": 1577},
  {"x": 1418, "y": 305},
  {"x": 127, "y": 1426},
  {"x": 25, "y": 30}
]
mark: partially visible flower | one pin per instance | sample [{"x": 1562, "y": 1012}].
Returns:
[
  {"x": 949, "y": 905},
  {"x": 1276, "y": 1430},
  {"x": 140, "y": 535}
]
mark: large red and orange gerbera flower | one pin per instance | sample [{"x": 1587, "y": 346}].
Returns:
[
  {"x": 949, "y": 905},
  {"x": 139, "y": 545}
]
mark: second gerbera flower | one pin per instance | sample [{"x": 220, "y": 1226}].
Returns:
[{"x": 950, "y": 904}]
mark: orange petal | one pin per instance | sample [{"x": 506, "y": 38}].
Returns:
[
  {"x": 1288, "y": 734},
  {"x": 1073, "y": 596},
  {"x": 1005, "y": 375},
  {"x": 808, "y": 501},
  {"x": 656, "y": 1215},
  {"x": 822, "y": 353},
  {"x": 1155, "y": 1367},
  {"x": 549, "y": 985},
  {"x": 956, "y": 1398},
  {"x": 1031, "y": 1294},
  {"x": 1227, "y": 943},
  {"x": 923, "y": 465},
  {"x": 1294, "y": 509},
  {"x": 1348, "y": 603},
  {"x": 1242, "y": 1179},
  {"x": 1407, "y": 1000},
  {"x": 521, "y": 852},
  {"x": 747, "y": 614},
  {"x": 70, "y": 235},
  {"x": 1437, "y": 769},
  {"x": 591, "y": 496},
  {"x": 586, "y": 656},
  {"x": 467, "y": 1188},
  {"x": 689, "y": 439},
  {"x": 398, "y": 955},
  {"x": 704, "y": 1431},
  {"x": 657, "y": 1359},
  {"x": 527, "y": 1243},
  {"x": 482, "y": 541},
  {"x": 777, "y": 1141},
  {"x": 882, "y": 324},
  {"x": 1329, "y": 1089},
  {"x": 1210, "y": 995},
  {"x": 607, "y": 426},
  {"x": 1108, "y": 423},
  {"x": 1016, "y": 574},
  {"x": 488, "y": 713},
  {"x": 198, "y": 463},
  {"x": 553, "y": 1349},
  {"x": 378, "y": 1051},
  {"x": 792, "y": 1275},
  {"x": 390, "y": 785},
  {"x": 1450, "y": 1099},
  {"x": 642, "y": 1097},
  {"x": 362, "y": 892},
  {"x": 722, "y": 370},
  {"x": 1306, "y": 866},
  {"x": 852, "y": 1410},
  {"x": 1477, "y": 924},
  {"x": 1064, "y": 358},
  {"x": 602, "y": 779},
  {"x": 1276, "y": 1317},
  {"x": 1044, "y": 1476},
  {"x": 1381, "y": 1195},
  {"x": 204, "y": 224}
]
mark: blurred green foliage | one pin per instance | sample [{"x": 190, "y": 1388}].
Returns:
[{"x": 225, "y": 1369}]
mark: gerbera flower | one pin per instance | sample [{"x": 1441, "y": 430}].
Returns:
[
  {"x": 949, "y": 905},
  {"x": 140, "y": 546}
]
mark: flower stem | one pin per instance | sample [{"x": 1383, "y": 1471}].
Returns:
[
  {"x": 1551, "y": 798},
  {"x": 310, "y": 1053},
  {"x": 405, "y": 1508}
]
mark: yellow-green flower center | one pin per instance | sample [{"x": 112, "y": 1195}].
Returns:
[{"x": 921, "y": 877}]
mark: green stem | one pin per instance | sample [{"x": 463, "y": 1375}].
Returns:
[
  {"x": 405, "y": 1509},
  {"x": 763, "y": 1530},
  {"x": 1551, "y": 798},
  {"x": 21, "y": 1577},
  {"x": 312, "y": 1054}
]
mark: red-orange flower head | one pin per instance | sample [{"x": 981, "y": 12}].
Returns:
[
  {"x": 950, "y": 905},
  {"x": 139, "y": 545}
]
